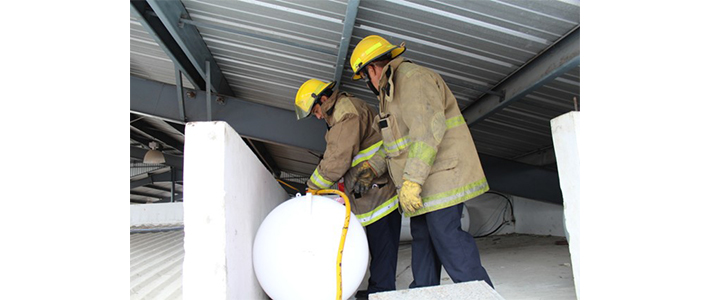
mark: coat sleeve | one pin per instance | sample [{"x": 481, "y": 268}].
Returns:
[
  {"x": 342, "y": 142},
  {"x": 423, "y": 113}
]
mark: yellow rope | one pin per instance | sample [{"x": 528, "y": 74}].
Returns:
[
  {"x": 288, "y": 185},
  {"x": 339, "y": 295}
]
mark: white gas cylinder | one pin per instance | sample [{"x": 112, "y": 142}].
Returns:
[{"x": 296, "y": 249}]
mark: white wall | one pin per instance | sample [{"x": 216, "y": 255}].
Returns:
[
  {"x": 537, "y": 217},
  {"x": 156, "y": 214},
  {"x": 531, "y": 216},
  {"x": 227, "y": 193}
]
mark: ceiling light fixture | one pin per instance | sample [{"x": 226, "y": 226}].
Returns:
[{"x": 153, "y": 156}]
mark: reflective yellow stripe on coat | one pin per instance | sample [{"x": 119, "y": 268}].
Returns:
[
  {"x": 366, "y": 154},
  {"x": 379, "y": 212},
  {"x": 441, "y": 200},
  {"x": 320, "y": 181},
  {"x": 403, "y": 142}
]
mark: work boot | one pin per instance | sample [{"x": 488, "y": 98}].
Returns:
[{"x": 361, "y": 295}]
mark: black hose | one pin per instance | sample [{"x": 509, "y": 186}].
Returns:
[{"x": 510, "y": 203}]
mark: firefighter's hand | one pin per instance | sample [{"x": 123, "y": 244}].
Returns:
[
  {"x": 409, "y": 198},
  {"x": 363, "y": 178}
]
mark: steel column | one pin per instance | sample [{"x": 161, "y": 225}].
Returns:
[
  {"x": 180, "y": 98},
  {"x": 348, "y": 24},
  {"x": 208, "y": 98}
]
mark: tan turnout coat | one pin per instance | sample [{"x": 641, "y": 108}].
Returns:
[
  {"x": 351, "y": 139},
  {"x": 426, "y": 138}
]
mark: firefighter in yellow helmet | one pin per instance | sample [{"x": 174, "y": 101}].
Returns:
[
  {"x": 431, "y": 158},
  {"x": 353, "y": 153}
]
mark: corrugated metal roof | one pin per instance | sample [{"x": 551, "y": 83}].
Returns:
[
  {"x": 293, "y": 159},
  {"x": 267, "y": 49},
  {"x": 156, "y": 265},
  {"x": 148, "y": 60},
  {"x": 472, "y": 44}
]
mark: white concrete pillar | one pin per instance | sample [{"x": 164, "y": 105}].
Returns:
[
  {"x": 565, "y": 137},
  {"x": 227, "y": 193}
]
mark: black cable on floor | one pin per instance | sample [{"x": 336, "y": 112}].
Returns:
[{"x": 510, "y": 203}]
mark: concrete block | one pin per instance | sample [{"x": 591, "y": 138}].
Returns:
[
  {"x": 565, "y": 137},
  {"x": 228, "y": 193},
  {"x": 478, "y": 290}
]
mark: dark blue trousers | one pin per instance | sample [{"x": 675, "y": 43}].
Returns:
[
  {"x": 383, "y": 241},
  {"x": 439, "y": 240}
]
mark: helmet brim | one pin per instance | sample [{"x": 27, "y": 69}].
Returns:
[
  {"x": 395, "y": 52},
  {"x": 300, "y": 114}
]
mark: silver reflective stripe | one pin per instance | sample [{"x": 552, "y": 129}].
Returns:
[
  {"x": 379, "y": 212},
  {"x": 397, "y": 145},
  {"x": 404, "y": 142},
  {"x": 366, "y": 154},
  {"x": 320, "y": 181},
  {"x": 456, "y": 194}
]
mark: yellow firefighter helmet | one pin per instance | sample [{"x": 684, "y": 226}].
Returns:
[
  {"x": 307, "y": 94},
  {"x": 370, "y": 49}
]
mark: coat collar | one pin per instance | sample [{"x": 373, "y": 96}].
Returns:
[
  {"x": 328, "y": 107},
  {"x": 386, "y": 85}
]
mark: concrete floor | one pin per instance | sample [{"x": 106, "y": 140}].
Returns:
[{"x": 520, "y": 266}]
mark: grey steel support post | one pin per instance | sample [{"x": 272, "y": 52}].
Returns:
[
  {"x": 181, "y": 102},
  {"x": 209, "y": 91},
  {"x": 348, "y": 24},
  {"x": 172, "y": 184}
]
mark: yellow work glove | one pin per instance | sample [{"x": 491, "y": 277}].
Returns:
[
  {"x": 409, "y": 198},
  {"x": 363, "y": 178}
]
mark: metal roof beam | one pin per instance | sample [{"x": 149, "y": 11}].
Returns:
[
  {"x": 191, "y": 43},
  {"x": 157, "y": 135},
  {"x": 162, "y": 177},
  {"x": 144, "y": 141},
  {"x": 152, "y": 24},
  {"x": 252, "y": 120},
  {"x": 557, "y": 60},
  {"x": 348, "y": 25},
  {"x": 178, "y": 196},
  {"x": 155, "y": 187},
  {"x": 277, "y": 125},
  {"x": 142, "y": 194}
]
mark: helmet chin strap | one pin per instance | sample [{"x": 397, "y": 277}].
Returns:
[
  {"x": 372, "y": 87},
  {"x": 369, "y": 82}
]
